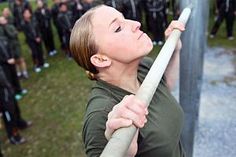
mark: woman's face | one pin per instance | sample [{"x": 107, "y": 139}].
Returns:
[
  {"x": 118, "y": 38},
  {"x": 6, "y": 12},
  {"x": 27, "y": 14},
  {"x": 40, "y": 4}
]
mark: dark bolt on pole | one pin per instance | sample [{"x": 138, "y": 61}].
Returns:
[{"x": 191, "y": 68}]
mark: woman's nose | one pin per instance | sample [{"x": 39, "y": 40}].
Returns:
[{"x": 135, "y": 25}]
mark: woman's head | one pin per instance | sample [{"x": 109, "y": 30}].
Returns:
[
  {"x": 6, "y": 12},
  {"x": 27, "y": 14},
  {"x": 102, "y": 37},
  {"x": 40, "y": 3}
]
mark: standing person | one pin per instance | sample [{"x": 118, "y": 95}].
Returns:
[
  {"x": 176, "y": 8},
  {"x": 64, "y": 21},
  {"x": 8, "y": 104},
  {"x": 19, "y": 7},
  {"x": 11, "y": 112},
  {"x": 88, "y": 4},
  {"x": 7, "y": 14},
  {"x": 11, "y": 4},
  {"x": 7, "y": 56},
  {"x": 225, "y": 9},
  {"x": 156, "y": 19},
  {"x": 55, "y": 12},
  {"x": 113, "y": 51},
  {"x": 132, "y": 9},
  {"x": 117, "y": 4},
  {"x": 43, "y": 17},
  {"x": 1, "y": 155},
  {"x": 77, "y": 9},
  {"x": 12, "y": 35},
  {"x": 34, "y": 41}
]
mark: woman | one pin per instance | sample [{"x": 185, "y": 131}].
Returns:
[
  {"x": 33, "y": 39},
  {"x": 14, "y": 45},
  {"x": 112, "y": 51},
  {"x": 43, "y": 17}
]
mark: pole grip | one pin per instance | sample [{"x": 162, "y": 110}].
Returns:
[{"x": 121, "y": 139}]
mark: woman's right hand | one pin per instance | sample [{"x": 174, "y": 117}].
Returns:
[{"x": 129, "y": 111}]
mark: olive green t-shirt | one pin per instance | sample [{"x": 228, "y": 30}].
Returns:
[{"x": 160, "y": 137}]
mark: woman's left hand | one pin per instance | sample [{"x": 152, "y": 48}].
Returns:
[{"x": 175, "y": 25}]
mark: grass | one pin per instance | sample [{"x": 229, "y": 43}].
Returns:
[{"x": 56, "y": 103}]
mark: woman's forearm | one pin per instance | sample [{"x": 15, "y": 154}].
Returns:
[{"x": 172, "y": 70}]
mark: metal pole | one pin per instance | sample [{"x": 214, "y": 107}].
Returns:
[
  {"x": 121, "y": 139},
  {"x": 191, "y": 65}
]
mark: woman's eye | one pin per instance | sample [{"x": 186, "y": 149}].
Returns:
[{"x": 118, "y": 29}]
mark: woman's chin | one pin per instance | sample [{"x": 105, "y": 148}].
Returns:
[{"x": 149, "y": 49}]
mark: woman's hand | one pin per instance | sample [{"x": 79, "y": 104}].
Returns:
[
  {"x": 175, "y": 25},
  {"x": 129, "y": 111}
]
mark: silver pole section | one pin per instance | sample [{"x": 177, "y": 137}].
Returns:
[
  {"x": 191, "y": 69},
  {"x": 121, "y": 139}
]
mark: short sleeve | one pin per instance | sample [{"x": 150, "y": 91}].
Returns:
[
  {"x": 95, "y": 125},
  {"x": 93, "y": 133}
]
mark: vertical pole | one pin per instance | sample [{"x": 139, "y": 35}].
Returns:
[{"x": 191, "y": 69}]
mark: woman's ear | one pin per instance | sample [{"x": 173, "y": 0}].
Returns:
[{"x": 100, "y": 61}]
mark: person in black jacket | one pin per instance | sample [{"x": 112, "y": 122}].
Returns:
[
  {"x": 64, "y": 21},
  {"x": 9, "y": 67},
  {"x": 88, "y": 4},
  {"x": 34, "y": 41},
  {"x": 7, "y": 14},
  {"x": 117, "y": 4},
  {"x": 19, "y": 7},
  {"x": 43, "y": 17},
  {"x": 77, "y": 9},
  {"x": 11, "y": 111},
  {"x": 226, "y": 9},
  {"x": 156, "y": 19},
  {"x": 12, "y": 35},
  {"x": 132, "y": 9},
  {"x": 55, "y": 12},
  {"x": 8, "y": 104}
]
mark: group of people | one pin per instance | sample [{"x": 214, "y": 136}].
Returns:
[
  {"x": 224, "y": 10},
  {"x": 11, "y": 66}
]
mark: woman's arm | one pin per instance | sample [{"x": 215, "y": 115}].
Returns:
[{"x": 172, "y": 69}]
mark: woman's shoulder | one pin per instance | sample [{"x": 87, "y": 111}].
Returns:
[{"x": 101, "y": 98}]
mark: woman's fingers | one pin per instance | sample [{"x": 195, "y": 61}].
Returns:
[
  {"x": 174, "y": 25},
  {"x": 114, "y": 124},
  {"x": 129, "y": 111},
  {"x": 138, "y": 119}
]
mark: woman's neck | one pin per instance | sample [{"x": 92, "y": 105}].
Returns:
[{"x": 122, "y": 75}]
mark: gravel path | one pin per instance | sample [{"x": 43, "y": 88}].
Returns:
[{"x": 216, "y": 135}]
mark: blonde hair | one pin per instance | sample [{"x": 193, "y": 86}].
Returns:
[{"x": 82, "y": 43}]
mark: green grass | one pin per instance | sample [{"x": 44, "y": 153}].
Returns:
[{"x": 56, "y": 103}]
